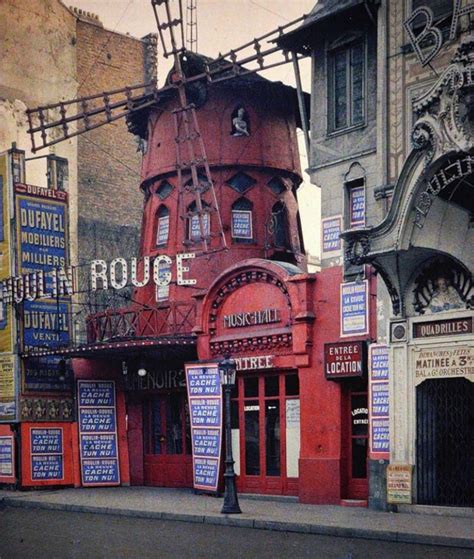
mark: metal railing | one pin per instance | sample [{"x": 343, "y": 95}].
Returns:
[{"x": 112, "y": 324}]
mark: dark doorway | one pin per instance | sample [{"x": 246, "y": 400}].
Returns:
[{"x": 445, "y": 442}]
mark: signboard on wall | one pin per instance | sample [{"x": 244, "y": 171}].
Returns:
[
  {"x": 8, "y": 389},
  {"x": 42, "y": 230},
  {"x": 47, "y": 454},
  {"x": 7, "y": 457},
  {"x": 436, "y": 362},
  {"x": 205, "y": 405},
  {"x": 399, "y": 484},
  {"x": 357, "y": 206},
  {"x": 330, "y": 236},
  {"x": 379, "y": 410},
  {"x": 344, "y": 360},
  {"x": 354, "y": 317},
  {"x": 98, "y": 433},
  {"x": 6, "y": 316}
]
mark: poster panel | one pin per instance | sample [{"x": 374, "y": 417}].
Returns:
[
  {"x": 42, "y": 232},
  {"x": 357, "y": 207},
  {"x": 47, "y": 454},
  {"x": 98, "y": 439},
  {"x": 7, "y": 458},
  {"x": 330, "y": 236},
  {"x": 379, "y": 409},
  {"x": 399, "y": 483},
  {"x": 205, "y": 405},
  {"x": 242, "y": 224},
  {"x": 6, "y": 316},
  {"x": 354, "y": 317},
  {"x": 8, "y": 388}
]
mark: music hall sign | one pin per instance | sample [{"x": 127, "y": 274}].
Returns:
[{"x": 344, "y": 360}]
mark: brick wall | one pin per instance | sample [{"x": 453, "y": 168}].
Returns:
[{"x": 108, "y": 162}]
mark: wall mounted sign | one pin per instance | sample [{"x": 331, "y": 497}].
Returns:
[
  {"x": 354, "y": 308},
  {"x": 43, "y": 241},
  {"x": 330, "y": 236},
  {"x": 45, "y": 323},
  {"x": 448, "y": 327},
  {"x": 7, "y": 457},
  {"x": 157, "y": 380},
  {"x": 425, "y": 37},
  {"x": 399, "y": 484},
  {"x": 6, "y": 311},
  {"x": 344, "y": 360},
  {"x": 378, "y": 362},
  {"x": 205, "y": 405},
  {"x": 357, "y": 206},
  {"x": 443, "y": 362},
  {"x": 242, "y": 224},
  {"x": 47, "y": 454},
  {"x": 379, "y": 400},
  {"x": 379, "y": 410},
  {"x": 254, "y": 363},
  {"x": 8, "y": 388},
  {"x": 252, "y": 318},
  {"x": 98, "y": 433}
]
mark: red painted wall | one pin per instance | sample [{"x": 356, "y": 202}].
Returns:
[{"x": 324, "y": 445}]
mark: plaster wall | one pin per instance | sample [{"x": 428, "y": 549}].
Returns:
[{"x": 37, "y": 67}]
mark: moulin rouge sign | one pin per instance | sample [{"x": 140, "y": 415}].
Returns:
[
  {"x": 60, "y": 282},
  {"x": 344, "y": 360}
]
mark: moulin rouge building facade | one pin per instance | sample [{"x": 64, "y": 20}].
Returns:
[{"x": 291, "y": 426}]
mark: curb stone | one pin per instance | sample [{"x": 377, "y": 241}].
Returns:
[{"x": 272, "y": 525}]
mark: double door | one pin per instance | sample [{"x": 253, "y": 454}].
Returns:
[
  {"x": 167, "y": 443},
  {"x": 266, "y": 433}
]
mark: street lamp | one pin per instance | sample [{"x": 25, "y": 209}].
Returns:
[{"x": 227, "y": 370}]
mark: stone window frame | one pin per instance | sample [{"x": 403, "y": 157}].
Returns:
[{"x": 346, "y": 43}]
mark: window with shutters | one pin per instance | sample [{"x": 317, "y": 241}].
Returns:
[{"x": 347, "y": 86}]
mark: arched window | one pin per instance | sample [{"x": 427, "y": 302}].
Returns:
[
  {"x": 194, "y": 224},
  {"x": 242, "y": 221},
  {"x": 162, "y": 225},
  {"x": 280, "y": 225}
]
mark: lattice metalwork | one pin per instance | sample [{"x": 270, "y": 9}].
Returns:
[{"x": 445, "y": 442}]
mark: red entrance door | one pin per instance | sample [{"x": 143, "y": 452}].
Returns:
[
  {"x": 266, "y": 433},
  {"x": 167, "y": 443},
  {"x": 358, "y": 429}
]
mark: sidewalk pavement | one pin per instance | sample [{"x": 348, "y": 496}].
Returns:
[{"x": 259, "y": 513}]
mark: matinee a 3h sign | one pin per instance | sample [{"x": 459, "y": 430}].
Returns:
[{"x": 345, "y": 360}]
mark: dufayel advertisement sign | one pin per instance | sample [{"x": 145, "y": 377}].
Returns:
[
  {"x": 98, "y": 433},
  {"x": 42, "y": 232},
  {"x": 205, "y": 410}
]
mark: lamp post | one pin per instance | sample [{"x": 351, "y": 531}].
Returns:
[{"x": 227, "y": 370}]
